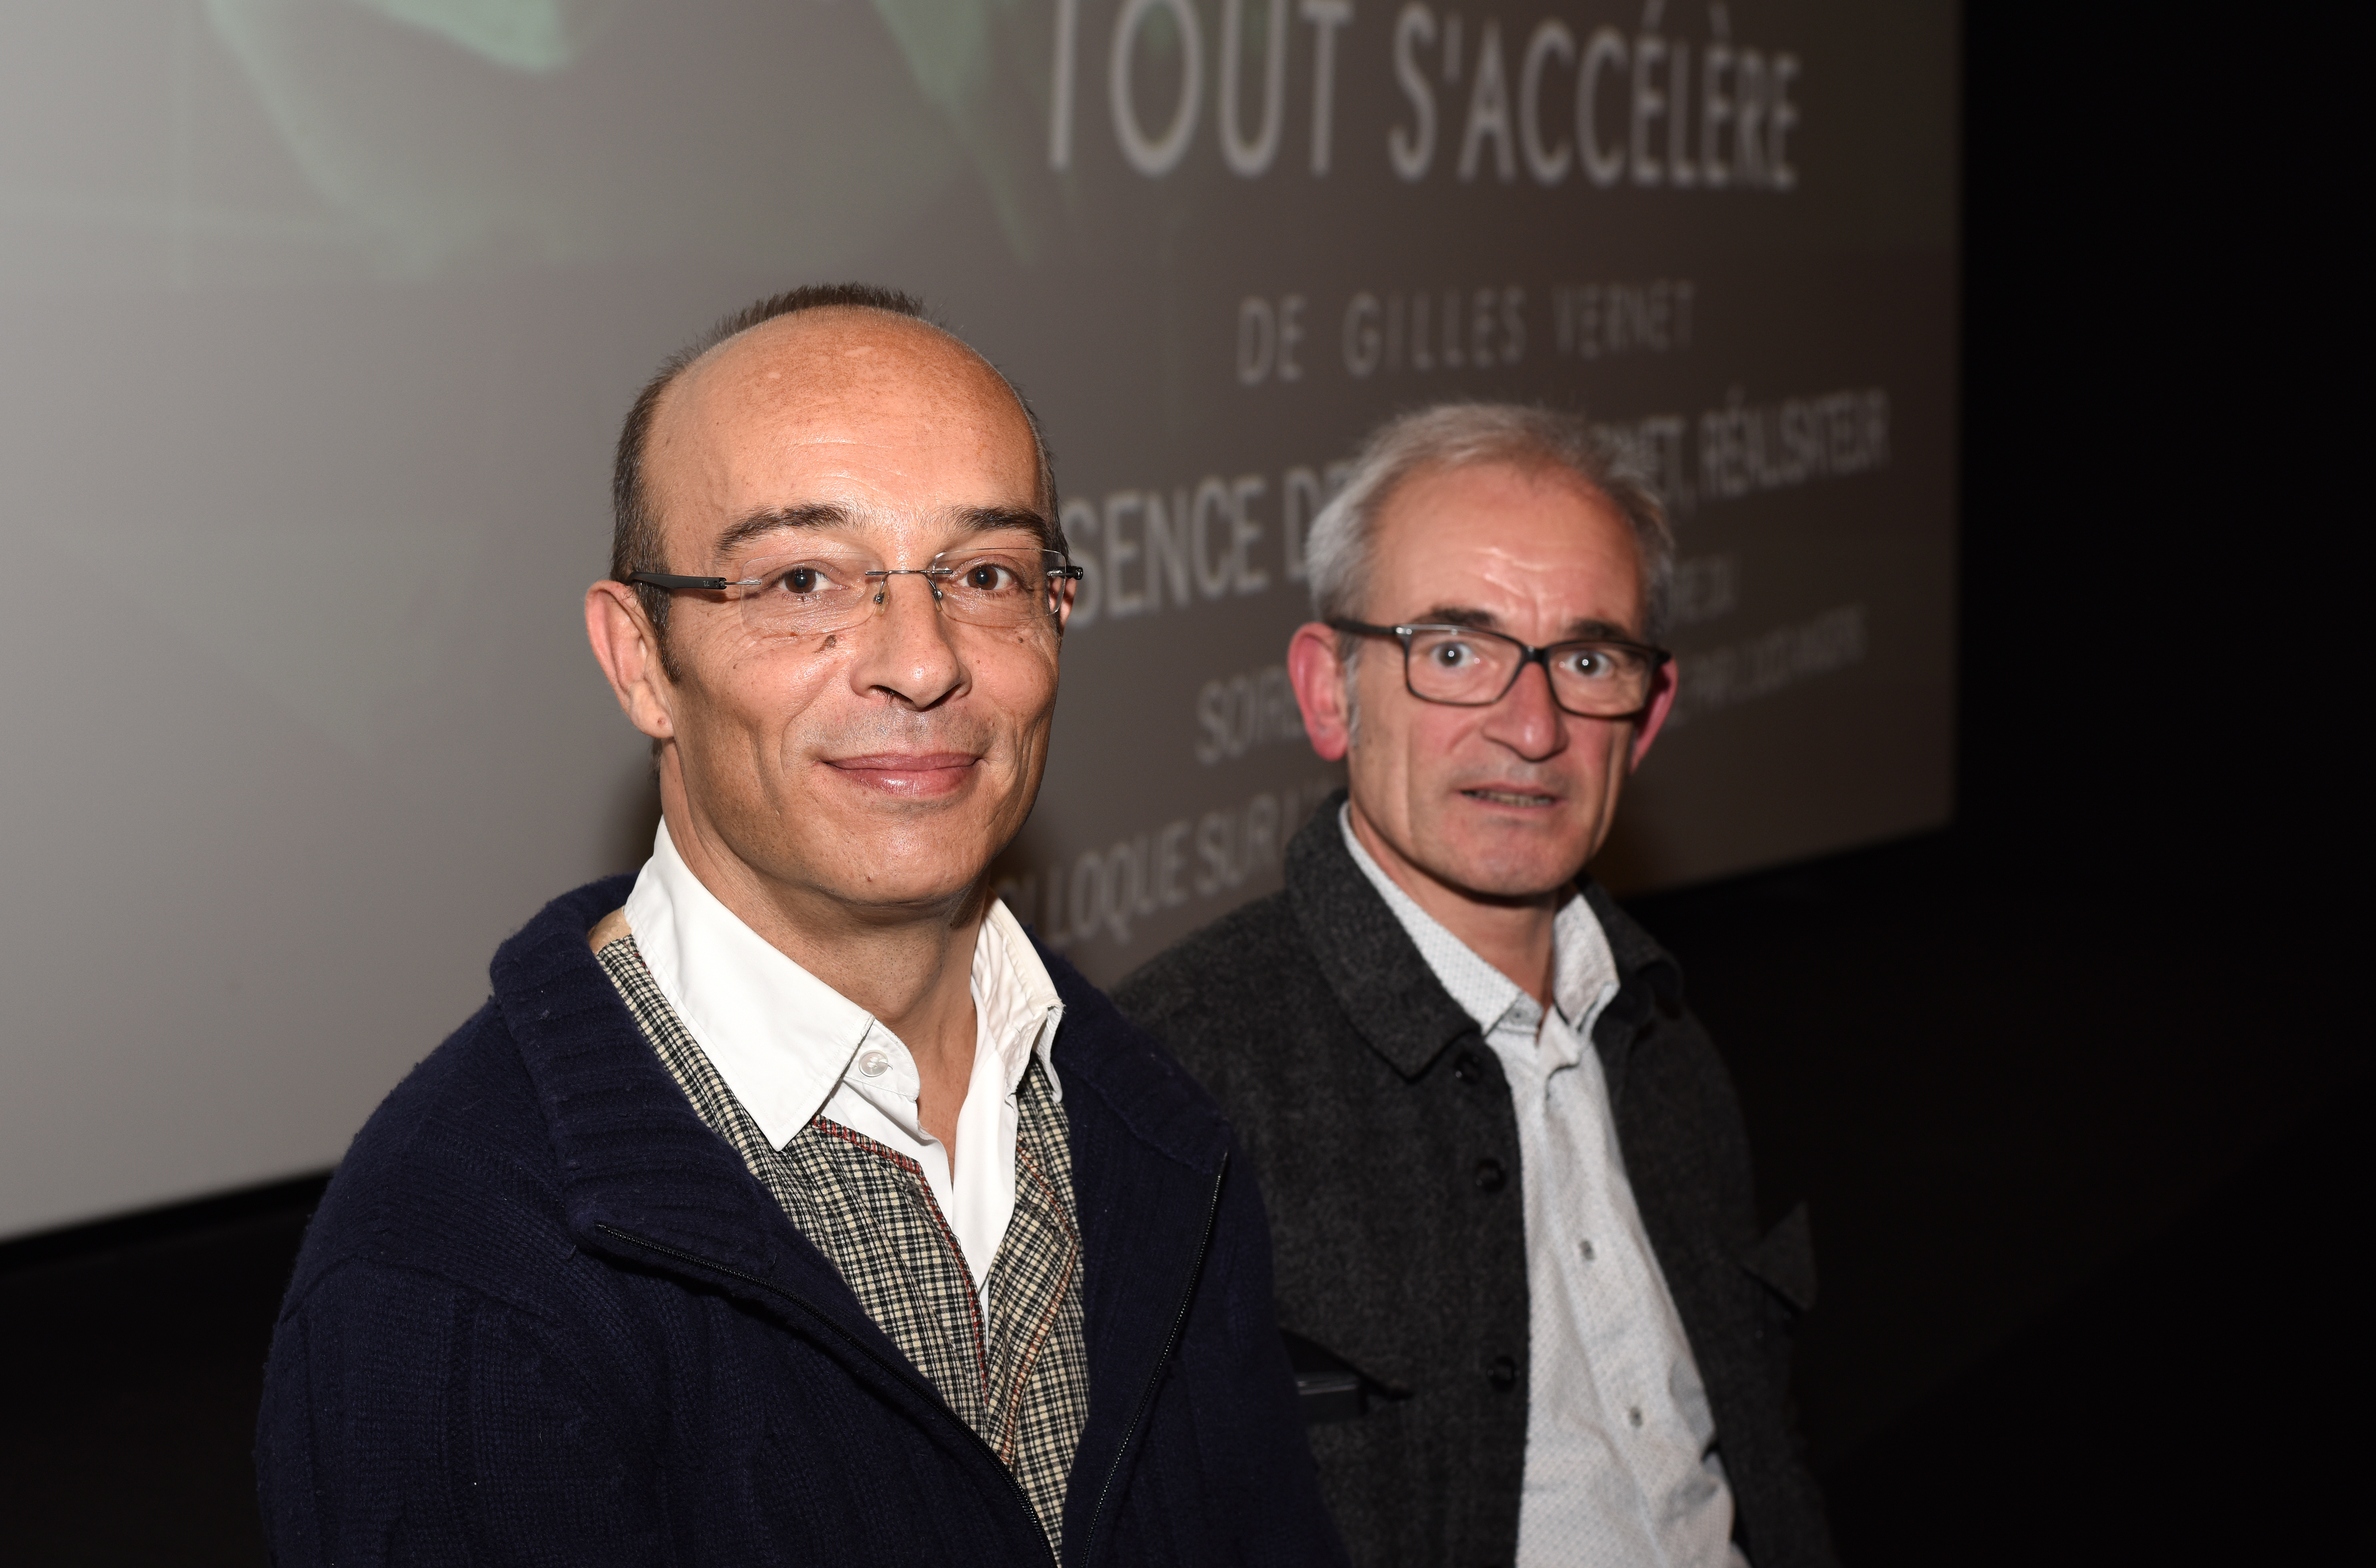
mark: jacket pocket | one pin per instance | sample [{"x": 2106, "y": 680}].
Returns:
[
  {"x": 1783, "y": 1260},
  {"x": 1329, "y": 1388}
]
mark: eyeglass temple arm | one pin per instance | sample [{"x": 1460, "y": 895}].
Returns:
[{"x": 668, "y": 580}]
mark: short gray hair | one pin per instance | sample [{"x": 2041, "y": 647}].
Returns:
[{"x": 1458, "y": 435}]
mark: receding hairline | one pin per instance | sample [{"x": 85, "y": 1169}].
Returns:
[
  {"x": 638, "y": 530},
  {"x": 1538, "y": 470},
  {"x": 953, "y": 349},
  {"x": 820, "y": 319}
]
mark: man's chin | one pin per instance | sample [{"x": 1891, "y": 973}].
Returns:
[
  {"x": 899, "y": 852},
  {"x": 896, "y": 892},
  {"x": 1513, "y": 866}
]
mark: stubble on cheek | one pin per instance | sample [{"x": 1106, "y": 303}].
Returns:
[{"x": 738, "y": 739}]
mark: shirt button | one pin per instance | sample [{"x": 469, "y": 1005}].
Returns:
[
  {"x": 1586, "y": 1248},
  {"x": 1468, "y": 1067},
  {"x": 1502, "y": 1373},
  {"x": 874, "y": 1063},
  {"x": 1634, "y": 1417},
  {"x": 1490, "y": 1177}
]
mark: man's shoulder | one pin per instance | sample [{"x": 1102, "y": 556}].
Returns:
[
  {"x": 456, "y": 1172},
  {"x": 1110, "y": 1054},
  {"x": 1246, "y": 957},
  {"x": 452, "y": 1156}
]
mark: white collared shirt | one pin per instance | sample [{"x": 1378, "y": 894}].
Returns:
[
  {"x": 789, "y": 1046},
  {"x": 1621, "y": 1470}
]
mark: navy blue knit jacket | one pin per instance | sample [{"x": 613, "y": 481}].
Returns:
[{"x": 546, "y": 1316}]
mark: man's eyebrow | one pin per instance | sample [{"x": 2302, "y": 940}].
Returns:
[
  {"x": 1582, "y": 630},
  {"x": 824, "y": 515},
  {"x": 758, "y": 525},
  {"x": 1459, "y": 615},
  {"x": 993, "y": 519}
]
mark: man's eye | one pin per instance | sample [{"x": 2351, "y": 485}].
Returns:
[
  {"x": 1453, "y": 656},
  {"x": 1597, "y": 663},
  {"x": 803, "y": 580},
  {"x": 990, "y": 577}
]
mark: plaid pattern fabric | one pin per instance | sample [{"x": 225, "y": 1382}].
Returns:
[{"x": 1021, "y": 1378}]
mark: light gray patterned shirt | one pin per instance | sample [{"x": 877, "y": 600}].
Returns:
[{"x": 1621, "y": 1469}]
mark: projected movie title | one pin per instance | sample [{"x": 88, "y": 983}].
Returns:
[{"x": 1657, "y": 108}]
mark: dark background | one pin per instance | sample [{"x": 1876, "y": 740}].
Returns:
[{"x": 2065, "y": 1085}]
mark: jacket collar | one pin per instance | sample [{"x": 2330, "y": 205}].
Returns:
[
  {"x": 1385, "y": 985},
  {"x": 1639, "y": 956},
  {"x": 1369, "y": 960},
  {"x": 1648, "y": 981},
  {"x": 633, "y": 1155}
]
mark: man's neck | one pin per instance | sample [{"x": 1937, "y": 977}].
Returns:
[
  {"x": 912, "y": 968},
  {"x": 1514, "y": 935}
]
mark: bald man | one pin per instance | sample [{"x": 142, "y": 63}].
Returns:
[{"x": 787, "y": 1203}]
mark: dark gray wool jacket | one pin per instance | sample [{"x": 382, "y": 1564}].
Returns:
[{"x": 1382, "y": 1129}]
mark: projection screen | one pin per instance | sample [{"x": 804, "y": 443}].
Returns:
[{"x": 320, "y": 316}]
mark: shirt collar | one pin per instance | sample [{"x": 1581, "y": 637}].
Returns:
[
  {"x": 782, "y": 1038},
  {"x": 1584, "y": 971},
  {"x": 1014, "y": 997}
]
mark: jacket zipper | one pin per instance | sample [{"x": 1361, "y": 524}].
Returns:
[
  {"x": 1170, "y": 1343},
  {"x": 932, "y": 1395}
]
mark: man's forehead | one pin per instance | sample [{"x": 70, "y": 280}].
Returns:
[
  {"x": 840, "y": 365},
  {"x": 864, "y": 408},
  {"x": 1542, "y": 529},
  {"x": 1495, "y": 481}
]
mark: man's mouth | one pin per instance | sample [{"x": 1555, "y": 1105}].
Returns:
[
  {"x": 908, "y": 773},
  {"x": 1533, "y": 800}
]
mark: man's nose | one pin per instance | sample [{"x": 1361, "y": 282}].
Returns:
[
  {"x": 1527, "y": 719},
  {"x": 907, "y": 652}
]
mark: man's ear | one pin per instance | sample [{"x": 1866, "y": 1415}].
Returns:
[
  {"x": 1654, "y": 717},
  {"x": 1318, "y": 676},
  {"x": 628, "y": 648}
]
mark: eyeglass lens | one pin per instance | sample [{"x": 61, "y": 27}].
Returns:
[
  {"x": 1471, "y": 668},
  {"x": 819, "y": 591}
]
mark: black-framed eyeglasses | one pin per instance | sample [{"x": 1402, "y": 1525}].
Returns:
[
  {"x": 1469, "y": 667},
  {"x": 826, "y": 589}
]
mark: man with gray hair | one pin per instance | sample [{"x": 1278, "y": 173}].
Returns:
[{"x": 1519, "y": 1263}]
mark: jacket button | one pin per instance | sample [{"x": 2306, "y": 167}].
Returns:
[
  {"x": 1468, "y": 1067},
  {"x": 1502, "y": 1373},
  {"x": 1490, "y": 1177}
]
